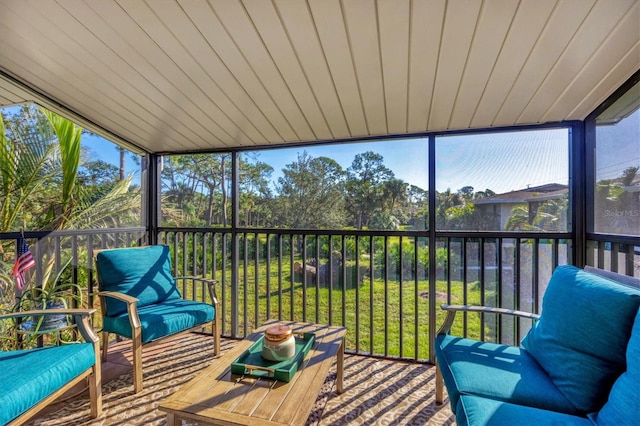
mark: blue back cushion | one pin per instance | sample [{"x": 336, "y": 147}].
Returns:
[
  {"x": 581, "y": 337},
  {"x": 141, "y": 272},
  {"x": 623, "y": 405}
]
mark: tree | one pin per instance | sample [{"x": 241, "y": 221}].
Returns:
[
  {"x": 40, "y": 164},
  {"x": 628, "y": 175},
  {"x": 43, "y": 176},
  {"x": 418, "y": 201},
  {"x": 365, "y": 187},
  {"x": 395, "y": 192},
  {"x": 255, "y": 193},
  {"x": 24, "y": 169},
  {"x": 466, "y": 192},
  {"x": 68, "y": 135},
  {"x": 204, "y": 174},
  {"x": 310, "y": 193}
]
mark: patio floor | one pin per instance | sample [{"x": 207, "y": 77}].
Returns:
[{"x": 376, "y": 391}]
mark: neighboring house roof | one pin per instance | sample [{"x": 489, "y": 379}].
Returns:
[
  {"x": 631, "y": 188},
  {"x": 551, "y": 191}
]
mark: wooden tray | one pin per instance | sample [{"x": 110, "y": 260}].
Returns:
[{"x": 251, "y": 363}]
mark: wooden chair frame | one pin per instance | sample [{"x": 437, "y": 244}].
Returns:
[{"x": 136, "y": 327}]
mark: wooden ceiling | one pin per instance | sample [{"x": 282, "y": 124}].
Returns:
[{"x": 196, "y": 75}]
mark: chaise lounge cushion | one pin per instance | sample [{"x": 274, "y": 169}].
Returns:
[
  {"x": 495, "y": 371},
  {"x": 586, "y": 320},
  {"x": 27, "y": 385},
  {"x": 162, "y": 319},
  {"x": 477, "y": 411},
  {"x": 623, "y": 405},
  {"x": 141, "y": 272}
]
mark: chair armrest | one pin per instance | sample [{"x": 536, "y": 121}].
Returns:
[
  {"x": 132, "y": 307},
  {"x": 120, "y": 296},
  {"x": 80, "y": 318},
  {"x": 211, "y": 284},
  {"x": 453, "y": 309}
]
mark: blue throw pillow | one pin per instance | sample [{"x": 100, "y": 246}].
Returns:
[
  {"x": 581, "y": 337},
  {"x": 141, "y": 272},
  {"x": 623, "y": 406}
]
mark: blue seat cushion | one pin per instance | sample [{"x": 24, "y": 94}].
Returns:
[
  {"x": 162, "y": 319},
  {"x": 500, "y": 372},
  {"x": 142, "y": 272},
  {"x": 477, "y": 411},
  {"x": 29, "y": 376},
  {"x": 581, "y": 337},
  {"x": 623, "y": 404}
]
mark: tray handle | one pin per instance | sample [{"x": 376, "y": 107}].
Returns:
[{"x": 250, "y": 368}]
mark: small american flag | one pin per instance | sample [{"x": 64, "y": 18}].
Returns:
[{"x": 24, "y": 262}]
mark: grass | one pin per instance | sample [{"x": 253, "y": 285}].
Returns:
[{"x": 381, "y": 319}]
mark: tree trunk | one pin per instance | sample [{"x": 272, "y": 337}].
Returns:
[
  {"x": 210, "y": 207},
  {"x": 122, "y": 156},
  {"x": 223, "y": 187}
]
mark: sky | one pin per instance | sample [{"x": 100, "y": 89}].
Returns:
[
  {"x": 407, "y": 159},
  {"x": 501, "y": 162},
  {"x": 618, "y": 147},
  {"x": 102, "y": 149}
]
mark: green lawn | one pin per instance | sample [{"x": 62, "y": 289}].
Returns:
[{"x": 402, "y": 322}]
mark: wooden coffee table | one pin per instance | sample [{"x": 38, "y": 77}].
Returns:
[{"x": 214, "y": 396}]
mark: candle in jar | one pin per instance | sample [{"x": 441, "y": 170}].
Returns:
[{"x": 278, "y": 343}]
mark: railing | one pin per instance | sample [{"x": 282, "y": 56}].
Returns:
[
  {"x": 70, "y": 251},
  {"x": 616, "y": 254},
  {"x": 376, "y": 283}
]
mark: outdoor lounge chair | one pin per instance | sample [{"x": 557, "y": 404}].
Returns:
[
  {"x": 33, "y": 378},
  {"x": 141, "y": 301}
]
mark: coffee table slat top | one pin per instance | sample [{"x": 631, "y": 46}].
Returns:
[{"x": 215, "y": 396}]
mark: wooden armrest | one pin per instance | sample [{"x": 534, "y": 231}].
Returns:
[
  {"x": 132, "y": 306},
  {"x": 120, "y": 296},
  {"x": 211, "y": 283},
  {"x": 453, "y": 309},
  {"x": 80, "y": 317}
]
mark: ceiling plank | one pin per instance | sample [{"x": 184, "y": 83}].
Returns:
[
  {"x": 394, "y": 20},
  {"x": 527, "y": 25},
  {"x": 493, "y": 25},
  {"x": 278, "y": 44},
  {"x": 243, "y": 32},
  {"x": 216, "y": 33},
  {"x": 184, "y": 75},
  {"x": 76, "y": 74},
  {"x": 330, "y": 25},
  {"x": 596, "y": 27},
  {"x": 362, "y": 30},
  {"x": 185, "y": 45},
  {"x": 613, "y": 50},
  {"x": 135, "y": 21},
  {"x": 427, "y": 20},
  {"x": 215, "y": 37},
  {"x": 620, "y": 73},
  {"x": 301, "y": 29},
  {"x": 459, "y": 27},
  {"x": 131, "y": 81},
  {"x": 556, "y": 36}
]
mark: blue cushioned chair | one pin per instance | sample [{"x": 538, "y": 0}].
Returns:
[
  {"x": 30, "y": 379},
  {"x": 577, "y": 365},
  {"x": 141, "y": 301}
]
